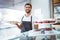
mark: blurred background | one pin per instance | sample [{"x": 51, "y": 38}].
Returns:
[{"x": 13, "y": 10}]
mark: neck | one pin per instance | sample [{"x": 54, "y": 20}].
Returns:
[{"x": 28, "y": 14}]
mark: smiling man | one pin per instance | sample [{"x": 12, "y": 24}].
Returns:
[{"x": 26, "y": 22}]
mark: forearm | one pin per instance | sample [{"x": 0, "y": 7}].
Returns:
[
  {"x": 35, "y": 26},
  {"x": 18, "y": 25}
]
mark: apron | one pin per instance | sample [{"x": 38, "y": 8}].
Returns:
[{"x": 26, "y": 25}]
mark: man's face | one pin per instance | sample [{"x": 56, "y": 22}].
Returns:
[{"x": 28, "y": 8}]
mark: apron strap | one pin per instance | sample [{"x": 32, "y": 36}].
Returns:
[
  {"x": 22, "y": 18},
  {"x": 31, "y": 18}
]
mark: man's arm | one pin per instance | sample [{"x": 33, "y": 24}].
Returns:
[{"x": 19, "y": 25}]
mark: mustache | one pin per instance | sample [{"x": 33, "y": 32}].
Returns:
[{"x": 28, "y": 11}]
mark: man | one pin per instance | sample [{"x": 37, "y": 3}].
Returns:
[{"x": 26, "y": 22}]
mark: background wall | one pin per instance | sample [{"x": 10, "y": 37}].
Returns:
[
  {"x": 41, "y": 9},
  {"x": 43, "y": 5}
]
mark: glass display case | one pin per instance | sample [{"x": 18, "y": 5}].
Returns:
[{"x": 40, "y": 34}]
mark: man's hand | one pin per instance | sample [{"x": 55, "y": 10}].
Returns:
[{"x": 19, "y": 25}]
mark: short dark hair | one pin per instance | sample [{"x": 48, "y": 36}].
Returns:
[{"x": 28, "y": 4}]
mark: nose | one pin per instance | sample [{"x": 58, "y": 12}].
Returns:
[{"x": 27, "y": 8}]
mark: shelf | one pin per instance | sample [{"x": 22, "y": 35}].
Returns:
[{"x": 58, "y": 4}]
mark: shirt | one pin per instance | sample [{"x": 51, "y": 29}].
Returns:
[{"x": 34, "y": 18}]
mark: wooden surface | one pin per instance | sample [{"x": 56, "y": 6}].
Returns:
[{"x": 56, "y": 1}]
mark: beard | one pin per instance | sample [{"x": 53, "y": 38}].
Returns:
[{"x": 28, "y": 11}]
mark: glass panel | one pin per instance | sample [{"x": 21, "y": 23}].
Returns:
[{"x": 10, "y": 10}]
